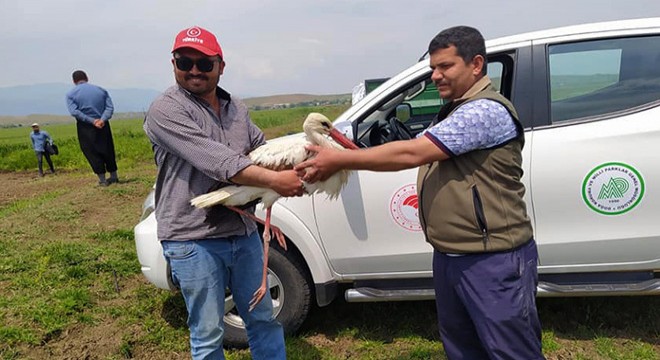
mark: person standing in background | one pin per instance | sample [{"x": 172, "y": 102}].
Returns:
[
  {"x": 92, "y": 107},
  {"x": 39, "y": 139}
]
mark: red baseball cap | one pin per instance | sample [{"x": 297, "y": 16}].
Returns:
[{"x": 199, "y": 39}]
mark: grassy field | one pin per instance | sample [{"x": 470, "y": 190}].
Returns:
[
  {"x": 71, "y": 287},
  {"x": 133, "y": 147}
]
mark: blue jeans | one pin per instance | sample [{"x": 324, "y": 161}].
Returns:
[
  {"x": 202, "y": 269},
  {"x": 41, "y": 154}
]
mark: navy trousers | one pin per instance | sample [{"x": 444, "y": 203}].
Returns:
[
  {"x": 98, "y": 146},
  {"x": 486, "y": 304}
]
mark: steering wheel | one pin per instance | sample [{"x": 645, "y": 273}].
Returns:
[
  {"x": 398, "y": 131},
  {"x": 384, "y": 131}
]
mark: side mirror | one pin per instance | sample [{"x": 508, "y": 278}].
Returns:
[{"x": 403, "y": 112}]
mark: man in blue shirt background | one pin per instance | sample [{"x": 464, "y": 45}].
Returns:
[
  {"x": 92, "y": 107},
  {"x": 39, "y": 139}
]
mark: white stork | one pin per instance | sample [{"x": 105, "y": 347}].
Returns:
[{"x": 280, "y": 155}]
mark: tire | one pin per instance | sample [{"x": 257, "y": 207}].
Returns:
[{"x": 290, "y": 290}]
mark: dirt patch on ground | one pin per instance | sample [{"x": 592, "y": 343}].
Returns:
[
  {"x": 77, "y": 196},
  {"x": 82, "y": 342},
  {"x": 26, "y": 185}
]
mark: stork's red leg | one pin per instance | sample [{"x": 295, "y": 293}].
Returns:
[
  {"x": 261, "y": 291},
  {"x": 273, "y": 229},
  {"x": 268, "y": 230}
]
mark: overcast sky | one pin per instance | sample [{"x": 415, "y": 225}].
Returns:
[{"x": 270, "y": 46}]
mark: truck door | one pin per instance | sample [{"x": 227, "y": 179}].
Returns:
[
  {"x": 595, "y": 161},
  {"x": 373, "y": 228}
]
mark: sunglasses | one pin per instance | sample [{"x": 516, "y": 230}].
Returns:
[{"x": 186, "y": 64}]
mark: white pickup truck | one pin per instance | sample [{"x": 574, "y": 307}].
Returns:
[{"x": 589, "y": 99}]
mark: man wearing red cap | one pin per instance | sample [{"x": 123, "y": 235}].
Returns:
[{"x": 201, "y": 135}]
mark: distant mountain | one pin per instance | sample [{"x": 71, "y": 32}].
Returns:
[
  {"x": 46, "y": 104},
  {"x": 50, "y": 99}
]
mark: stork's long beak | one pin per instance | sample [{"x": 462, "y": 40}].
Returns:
[{"x": 342, "y": 140}]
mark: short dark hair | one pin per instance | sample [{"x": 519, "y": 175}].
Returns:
[
  {"x": 468, "y": 42},
  {"x": 79, "y": 75}
]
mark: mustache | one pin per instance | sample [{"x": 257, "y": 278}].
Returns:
[{"x": 200, "y": 76}]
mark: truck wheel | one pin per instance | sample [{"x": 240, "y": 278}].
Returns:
[{"x": 290, "y": 290}]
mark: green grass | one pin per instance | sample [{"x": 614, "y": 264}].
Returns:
[
  {"x": 51, "y": 280},
  {"x": 131, "y": 144},
  {"x": 69, "y": 276},
  {"x": 23, "y": 204}
]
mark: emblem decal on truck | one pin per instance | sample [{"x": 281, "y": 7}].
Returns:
[
  {"x": 404, "y": 208},
  {"x": 613, "y": 188}
]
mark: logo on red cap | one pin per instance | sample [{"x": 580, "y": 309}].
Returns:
[
  {"x": 198, "y": 39},
  {"x": 194, "y": 32}
]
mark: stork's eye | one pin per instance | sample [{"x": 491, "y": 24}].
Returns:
[{"x": 326, "y": 125}]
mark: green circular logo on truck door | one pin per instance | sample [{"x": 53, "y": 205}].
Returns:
[{"x": 613, "y": 188}]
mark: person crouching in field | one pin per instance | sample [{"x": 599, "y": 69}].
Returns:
[{"x": 39, "y": 139}]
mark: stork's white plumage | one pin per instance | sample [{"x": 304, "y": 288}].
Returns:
[{"x": 281, "y": 155}]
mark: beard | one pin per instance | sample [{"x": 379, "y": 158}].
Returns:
[
  {"x": 198, "y": 84},
  {"x": 188, "y": 77}
]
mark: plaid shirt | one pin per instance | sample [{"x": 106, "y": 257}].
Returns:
[{"x": 197, "y": 152}]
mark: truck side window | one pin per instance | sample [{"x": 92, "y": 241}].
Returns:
[
  {"x": 421, "y": 95},
  {"x": 423, "y": 106},
  {"x": 427, "y": 103},
  {"x": 600, "y": 77},
  {"x": 496, "y": 74}
]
